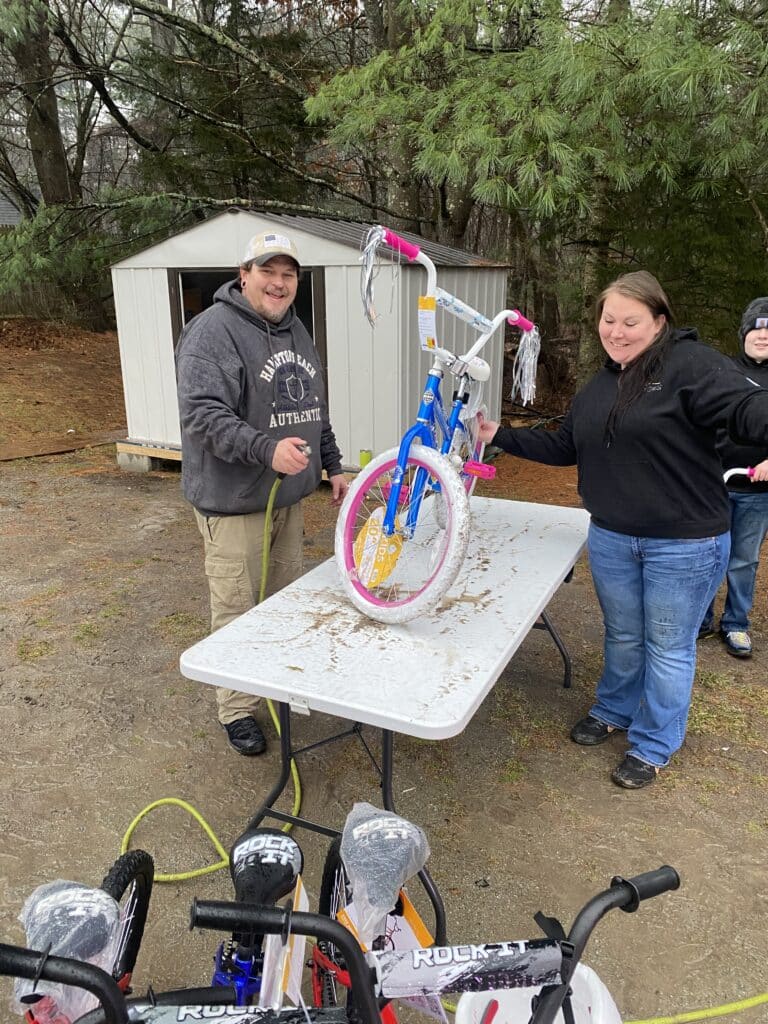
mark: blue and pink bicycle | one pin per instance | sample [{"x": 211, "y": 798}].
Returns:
[{"x": 404, "y": 527}]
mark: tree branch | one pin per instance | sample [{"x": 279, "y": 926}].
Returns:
[
  {"x": 96, "y": 79},
  {"x": 220, "y": 39}
]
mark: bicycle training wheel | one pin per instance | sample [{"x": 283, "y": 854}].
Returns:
[
  {"x": 394, "y": 579},
  {"x": 129, "y": 881},
  {"x": 335, "y": 894}
]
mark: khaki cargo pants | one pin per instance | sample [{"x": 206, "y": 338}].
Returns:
[{"x": 233, "y": 548}]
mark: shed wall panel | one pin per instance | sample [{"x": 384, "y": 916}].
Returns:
[{"x": 146, "y": 355}]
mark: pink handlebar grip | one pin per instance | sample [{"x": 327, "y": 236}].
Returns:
[
  {"x": 518, "y": 320},
  {"x": 751, "y": 472},
  {"x": 396, "y": 242}
]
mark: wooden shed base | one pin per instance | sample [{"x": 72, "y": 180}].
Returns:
[{"x": 135, "y": 457}]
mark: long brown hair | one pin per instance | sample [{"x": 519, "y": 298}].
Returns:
[{"x": 633, "y": 379}]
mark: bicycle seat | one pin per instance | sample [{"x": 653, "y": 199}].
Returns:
[
  {"x": 380, "y": 851},
  {"x": 72, "y": 919},
  {"x": 264, "y": 864}
]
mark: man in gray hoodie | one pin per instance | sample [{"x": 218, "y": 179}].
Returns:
[{"x": 252, "y": 407}]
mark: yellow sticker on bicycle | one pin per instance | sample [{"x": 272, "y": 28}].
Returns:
[
  {"x": 428, "y": 322},
  {"x": 376, "y": 554}
]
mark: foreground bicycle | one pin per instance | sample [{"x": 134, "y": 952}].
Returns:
[
  {"x": 379, "y": 855},
  {"x": 507, "y": 982},
  {"x": 403, "y": 530}
]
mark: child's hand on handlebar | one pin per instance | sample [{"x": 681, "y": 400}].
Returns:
[{"x": 486, "y": 429}]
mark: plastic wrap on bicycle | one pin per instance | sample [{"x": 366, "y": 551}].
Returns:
[
  {"x": 464, "y": 312},
  {"x": 470, "y": 968},
  {"x": 235, "y": 1015}
]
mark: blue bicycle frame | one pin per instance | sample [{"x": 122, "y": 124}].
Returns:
[{"x": 430, "y": 417}]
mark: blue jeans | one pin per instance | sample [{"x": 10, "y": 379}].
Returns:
[
  {"x": 653, "y": 593},
  {"x": 749, "y": 526}
]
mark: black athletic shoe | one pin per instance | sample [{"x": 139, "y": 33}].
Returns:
[
  {"x": 246, "y": 737},
  {"x": 633, "y": 773},
  {"x": 591, "y": 731},
  {"x": 706, "y": 630}
]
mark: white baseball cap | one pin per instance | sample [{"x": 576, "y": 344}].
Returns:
[{"x": 263, "y": 247}]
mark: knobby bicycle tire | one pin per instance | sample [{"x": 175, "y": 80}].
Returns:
[
  {"x": 424, "y": 565},
  {"x": 129, "y": 881}
]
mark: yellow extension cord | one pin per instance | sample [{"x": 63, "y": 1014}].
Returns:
[
  {"x": 681, "y": 1018},
  {"x": 175, "y": 801}
]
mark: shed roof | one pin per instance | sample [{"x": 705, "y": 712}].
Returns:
[
  {"x": 352, "y": 233},
  {"x": 346, "y": 234}
]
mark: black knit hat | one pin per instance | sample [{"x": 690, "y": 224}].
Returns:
[{"x": 757, "y": 309}]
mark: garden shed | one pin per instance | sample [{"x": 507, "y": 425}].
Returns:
[{"x": 373, "y": 376}]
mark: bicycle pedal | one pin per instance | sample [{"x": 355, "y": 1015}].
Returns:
[{"x": 479, "y": 469}]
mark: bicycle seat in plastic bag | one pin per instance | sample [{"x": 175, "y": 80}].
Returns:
[
  {"x": 380, "y": 851},
  {"x": 73, "y": 920}
]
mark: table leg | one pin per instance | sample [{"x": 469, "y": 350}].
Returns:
[
  {"x": 284, "y": 716},
  {"x": 387, "y": 754},
  {"x": 546, "y": 623}
]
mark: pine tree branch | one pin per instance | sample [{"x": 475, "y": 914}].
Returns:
[
  {"x": 243, "y": 134},
  {"x": 220, "y": 39}
]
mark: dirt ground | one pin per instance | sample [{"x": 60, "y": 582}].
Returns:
[{"x": 101, "y": 589}]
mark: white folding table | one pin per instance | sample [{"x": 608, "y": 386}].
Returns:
[{"x": 307, "y": 648}]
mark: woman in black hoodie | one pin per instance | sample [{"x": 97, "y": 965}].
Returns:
[
  {"x": 748, "y": 496},
  {"x": 642, "y": 432}
]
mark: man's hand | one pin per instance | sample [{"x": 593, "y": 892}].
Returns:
[
  {"x": 339, "y": 488},
  {"x": 289, "y": 457},
  {"x": 486, "y": 429},
  {"x": 761, "y": 472}
]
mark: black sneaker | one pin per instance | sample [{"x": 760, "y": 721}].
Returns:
[
  {"x": 245, "y": 736},
  {"x": 591, "y": 731},
  {"x": 633, "y": 773},
  {"x": 706, "y": 630}
]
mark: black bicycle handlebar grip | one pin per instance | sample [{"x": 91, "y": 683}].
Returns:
[
  {"x": 648, "y": 885},
  {"x": 18, "y": 962}
]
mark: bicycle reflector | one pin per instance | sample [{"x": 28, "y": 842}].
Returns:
[{"x": 376, "y": 554}]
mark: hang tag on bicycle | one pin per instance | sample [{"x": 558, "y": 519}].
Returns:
[
  {"x": 428, "y": 322},
  {"x": 284, "y": 964},
  {"x": 402, "y": 931}
]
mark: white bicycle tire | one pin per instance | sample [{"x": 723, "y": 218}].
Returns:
[{"x": 452, "y": 553}]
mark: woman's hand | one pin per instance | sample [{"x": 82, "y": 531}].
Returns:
[
  {"x": 486, "y": 429},
  {"x": 761, "y": 472}
]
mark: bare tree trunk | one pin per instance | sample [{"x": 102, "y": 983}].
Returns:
[{"x": 32, "y": 55}]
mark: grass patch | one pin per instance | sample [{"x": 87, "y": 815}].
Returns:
[
  {"x": 86, "y": 632},
  {"x": 112, "y": 611},
  {"x": 513, "y": 771},
  {"x": 30, "y": 650},
  {"x": 43, "y": 596},
  {"x": 182, "y": 627},
  {"x": 527, "y": 723},
  {"x": 721, "y": 707}
]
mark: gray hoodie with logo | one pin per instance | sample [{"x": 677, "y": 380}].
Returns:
[{"x": 243, "y": 385}]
